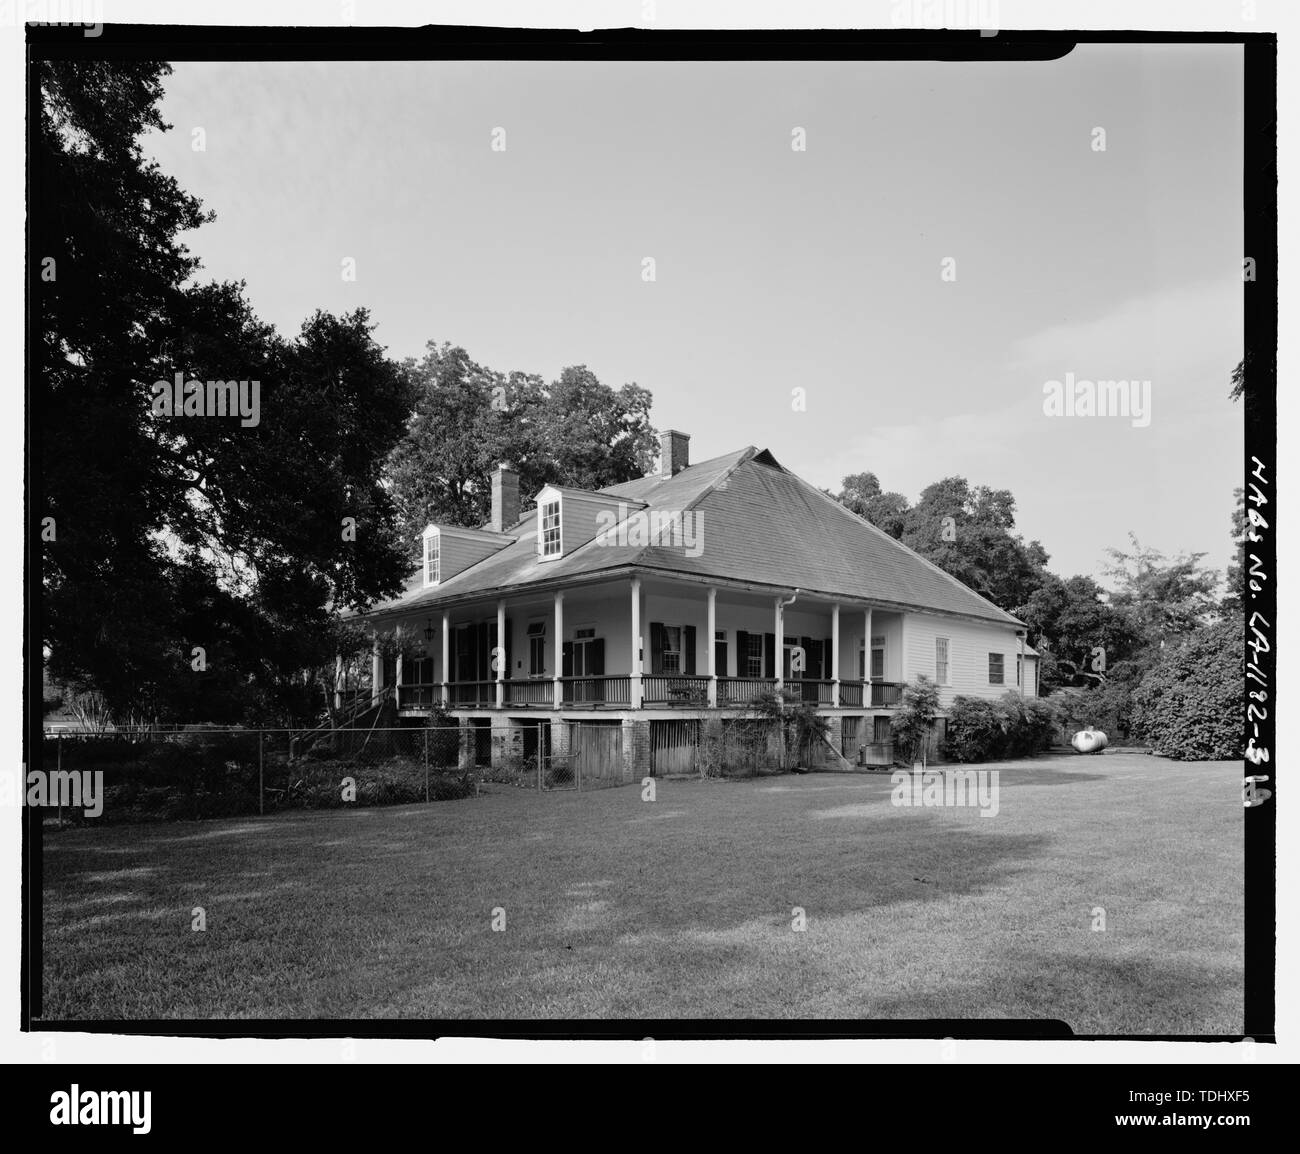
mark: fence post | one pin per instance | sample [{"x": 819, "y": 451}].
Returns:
[
  {"x": 261, "y": 797},
  {"x": 539, "y": 759},
  {"x": 59, "y": 779},
  {"x": 426, "y": 765}
]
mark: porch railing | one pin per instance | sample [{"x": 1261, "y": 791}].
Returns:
[
  {"x": 534, "y": 691},
  {"x": 615, "y": 691},
  {"x": 742, "y": 690},
  {"x": 886, "y": 693},
  {"x": 418, "y": 696},
  {"x": 656, "y": 689},
  {"x": 674, "y": 689},
  {"x": 813, "y": 690},
  {"x": 472, "y": 692}
]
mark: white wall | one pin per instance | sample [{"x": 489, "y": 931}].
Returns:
[{"x": 969, "y": 646}]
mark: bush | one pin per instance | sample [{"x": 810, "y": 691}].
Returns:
[
  {"x": 711, "y": 754},
  {"x": 1107, "y": 707},
  {"x": 444, "y": 738},
  {"x": 205, "y": 773},
  {"x": 1189, "y": 705},
  {"x": 1012, "y": 726},
  {"x": 791, "y": 724},
  {"x": 912, "y": 726}
]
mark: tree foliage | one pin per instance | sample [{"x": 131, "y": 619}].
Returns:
[
  {"x": 967, "y": 531},
  {"x": 194, "y": 560},
  {"x": 1189, "y": 704},
  {"x": 468, "y": 419},
  {"x": 1167, "y": 598}
]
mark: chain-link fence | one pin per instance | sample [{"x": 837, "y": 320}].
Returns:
[
  {"x": 208, "y": 771},
  {"x": 203, "y": 772}
]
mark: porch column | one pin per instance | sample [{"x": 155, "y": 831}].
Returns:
[
  {"x": 835, "y": 655},
  {"x": 446, "y": 660},
  {"x": 397, "y": 689},
  {"x": 713, "y": 648},
  {"x": 338, "y": 681},
  {"x": 902, "y": 657},
  {"x": 377, "y": 671},
  {"x": 559, "y": 649},
  {"x": 636, "y": 666},
  {"x": 499, "y": 657},
  {"x": 779, "y": 661},
  {"x": 866, "y": 659}
]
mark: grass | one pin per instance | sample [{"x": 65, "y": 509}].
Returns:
[{"x": 681, "y": 908}]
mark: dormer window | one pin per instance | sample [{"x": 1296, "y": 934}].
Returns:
[
  {"x": 548, "y": 528},
  {"x": 432, "y": 558}
]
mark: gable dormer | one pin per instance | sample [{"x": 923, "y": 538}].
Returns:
[
  {"x": 569, "y": 518},
  {"x": 450, "y": 549}
]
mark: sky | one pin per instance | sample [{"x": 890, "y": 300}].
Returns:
[{"x": 829, "y": 270}]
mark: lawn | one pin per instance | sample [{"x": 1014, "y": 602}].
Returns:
[{"x": 683, "y": 907}]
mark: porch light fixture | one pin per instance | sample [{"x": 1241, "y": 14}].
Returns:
[{"x": 429, "y": 630}]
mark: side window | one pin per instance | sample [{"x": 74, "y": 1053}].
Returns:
[{"x": 941, "y": 660}]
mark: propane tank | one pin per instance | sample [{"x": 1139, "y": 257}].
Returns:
[{"x": 1089, "y": 740}]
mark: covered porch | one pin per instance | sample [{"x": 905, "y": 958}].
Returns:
[{"x": 645, "y": 642}]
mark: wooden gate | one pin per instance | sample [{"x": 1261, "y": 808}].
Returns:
[
  {"x": 596, "y": 752},
  {"x": 672, "y": 746}
]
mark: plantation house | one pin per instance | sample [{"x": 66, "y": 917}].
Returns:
[{"x": 643, "y": 608}]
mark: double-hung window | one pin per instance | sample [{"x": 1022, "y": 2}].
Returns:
[
  {"x": 549, "y": 528},
  {"x": 537, "y": 649},
  {"x": 995, "y": 669},
  {"x": 672, "y": 657},
  {"x": 941, "y": 660}
]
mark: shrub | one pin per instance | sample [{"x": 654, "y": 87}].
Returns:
[
  {"x": 1189, "y": 705},
  {"x": 444, "y": 737},
  {"x": 912, "y": 726},
  {"x": 1107, "y": 707},
  {"x": 1011, "y": 726},
  {"x": 792, "y": 724},
  {"x": 711, "y": 754},
  {"x": 975, "y": 730}
]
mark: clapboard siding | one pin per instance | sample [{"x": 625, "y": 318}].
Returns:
[{"x": 969, "y": 646}]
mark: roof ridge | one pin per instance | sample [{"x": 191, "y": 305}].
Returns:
[
  {"x": 746, "y": 454},
  {"x": 895, "y": 541},
  {"x": 695, "y": 465}
]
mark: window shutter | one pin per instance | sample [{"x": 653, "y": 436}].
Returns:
[
  {"x": 742, "y": 654},
  {"x": 656, "y": 647},
  {"x": 828, "y": 661},
  {"x": 688, "y": 644},
  {"x": 508, "y": 647},
  {"x": 596, "y": 657},
  {"x": 483, "y": 657},
  {"x": 567, "y": 659},
  {"x": 769, "y": 655}
]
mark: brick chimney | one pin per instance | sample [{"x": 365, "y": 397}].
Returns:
[
  {"x": 505, "y": 497},
  {"x": 674, "y": 452}
]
